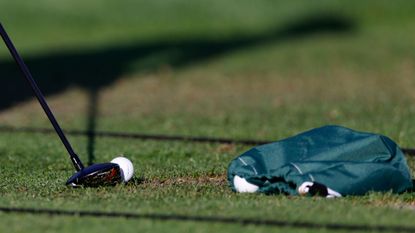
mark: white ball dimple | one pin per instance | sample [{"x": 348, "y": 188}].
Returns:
[
  {"x": 243, "y": 186},
  {"x": 126, "y": 167}
]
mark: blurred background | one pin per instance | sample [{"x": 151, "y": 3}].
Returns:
[{"x": 240, "y": 69}]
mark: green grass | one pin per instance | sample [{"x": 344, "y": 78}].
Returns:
[{"x": 179, "y": 67}]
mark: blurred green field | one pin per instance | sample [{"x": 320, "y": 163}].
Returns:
[{"x": 235, "y": 69}]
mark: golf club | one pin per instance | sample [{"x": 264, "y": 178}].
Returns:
[{"x": 94, "y": 175}]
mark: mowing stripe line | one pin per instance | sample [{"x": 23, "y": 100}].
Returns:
[
  {"x": 157, "y": 137},
  {"x": 208, "y": 219}
]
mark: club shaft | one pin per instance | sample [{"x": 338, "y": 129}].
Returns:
[{"x": 26, "y": 73}]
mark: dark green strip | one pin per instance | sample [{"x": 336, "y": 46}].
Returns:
[
  {"x": 209, "y": 219},
  {"x": 157, "y": 137}
]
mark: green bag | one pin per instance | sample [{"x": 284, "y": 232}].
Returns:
[{"x": 329, "y": 161}]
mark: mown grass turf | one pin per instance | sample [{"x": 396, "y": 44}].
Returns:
[{"x": 234, "y": 69}]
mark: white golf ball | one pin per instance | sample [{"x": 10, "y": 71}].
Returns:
[
  {"x": 243, "y": 186},
  {"x": 126, "y": 167}
]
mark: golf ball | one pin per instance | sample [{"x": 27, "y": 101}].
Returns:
[
  {"x": 243, "y": 186},
  {"x": 126, "y": 167}
]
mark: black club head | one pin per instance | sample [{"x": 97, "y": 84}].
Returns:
[{"x": 102, "y": 174}]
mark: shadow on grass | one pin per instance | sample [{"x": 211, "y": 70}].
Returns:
[{"x": 94, "y": 69}]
